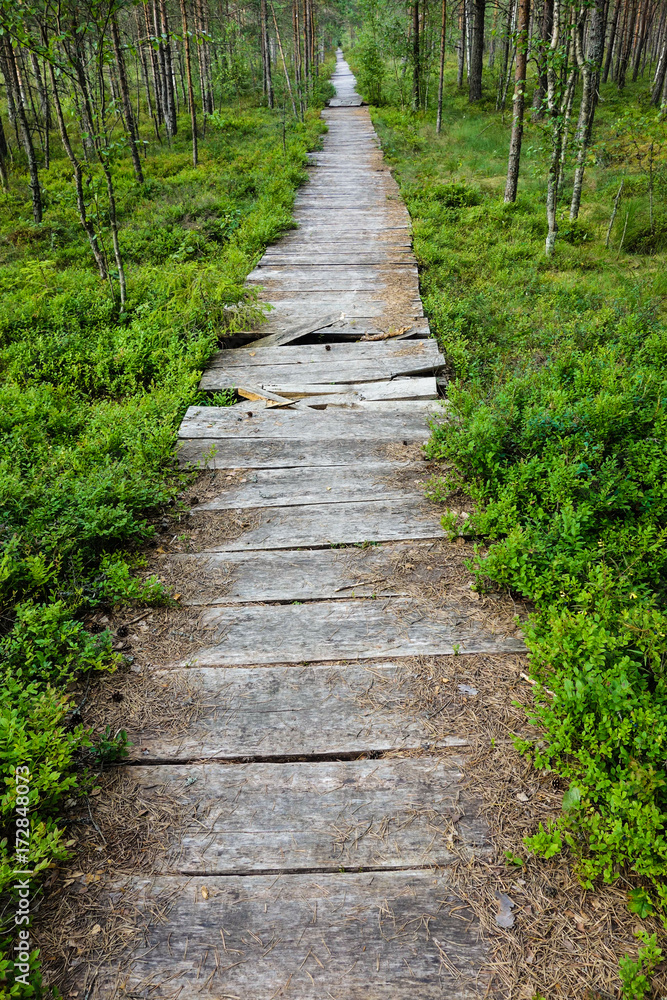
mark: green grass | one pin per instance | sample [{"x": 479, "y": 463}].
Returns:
[
  {"x": 90, "y": 402},
  {"x": 557, "y": 430}
]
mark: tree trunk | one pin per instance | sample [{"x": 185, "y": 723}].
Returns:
[
  {"x": 462, "y": 47},
  {"x": 541, "y": 46},
  {"x": 476, "y": 52},
  {"x": 441, "y": 69},
  {"x": 4, "y": 156},
  {"x": 188, "y": 71},
  {"x": 169, "y": 88},
  {"x": 641, "y": 41},
  {"x": 519, "y": 100},
  {"x": 126, "y": 99},
  {"x": 610, "y": 41},
  {"x": 13, "y": 83},
  {"x": 88, "y": 227},
  {"x": 660, "y": 76},
  {"x": 626, "y": 48},
  {"x": 416, "y": 53},
  {"x": 266, "y": 54},
  {"x": 590, "y": 66},
  {"x": 282, "y": 59}
]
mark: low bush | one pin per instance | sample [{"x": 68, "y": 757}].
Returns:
[
  {"x": 91, "y": 398},
  {"x": 557, "y": 429}
]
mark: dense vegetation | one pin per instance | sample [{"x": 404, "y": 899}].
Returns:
[
  {"x": 150, "y": 151},
  {"x": 94, "y": 385},
  {"x": 557, "y": 431}
]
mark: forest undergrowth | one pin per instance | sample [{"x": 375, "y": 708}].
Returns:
[
  {"x": 557, "y": 431},
  {"x": 91, "y": 397}
]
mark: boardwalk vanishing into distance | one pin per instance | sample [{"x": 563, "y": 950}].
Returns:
[{"x": 315, "y": 813}]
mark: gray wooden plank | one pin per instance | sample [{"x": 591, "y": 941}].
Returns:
[
  {"x": 324, "y": 485},
  {"x": 425, "y": 351},
  {"x": 400, "y": 389},
  {"x": 241, "y": 421},
  {"x": 252, "y": 818},
  {"x": 343, "y": 630},
  {"x": 327, "y": 254},
  {"x": 317, "y": 320},
  {"x": 355, "y": 522},
  {"x": 294, "y": 711},
  {"x": 304, "y": 574},
  {"x": 276, "y": 453},
  {"x": 281, "y": 377},
  {"x": 361, "y": 936}
]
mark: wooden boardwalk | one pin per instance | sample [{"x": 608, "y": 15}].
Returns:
[{"x": 316, "y": 814}]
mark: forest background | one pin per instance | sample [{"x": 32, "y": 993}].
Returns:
[{"x": 148, "y": 154}]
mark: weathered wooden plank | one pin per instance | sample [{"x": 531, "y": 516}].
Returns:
[
  {"x": 343, "y": 260},
  {"x": 316, "y": 321},
  {"x": 291, "y": 487},
  {"x": 370, "y": 936},
  {"x": 425, "y": 351},
  {"x": 252, "y": 392},
  {"x": 296, "y": 711},
  {"x": 294, "y": 309},
  {"x": 239, "y": 421},
  {"x": 244, "y": 819},
  {"x": 277, "y": 453},
  {"x": 280, "y": 378},
  {"x": 354, "y": 329},
  {"x": 307, "y": 574},
  {"x": 398, "y": 389},
  {"x": 343, "y": 630},
  {"x": 355, "y": 522}
]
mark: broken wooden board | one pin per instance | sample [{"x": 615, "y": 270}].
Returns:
[
  {"x": 287, "y": 712},
  {"x": 400, "y": 389},
  {"x": 344, "y": 630},
  {"x": 356, "y": 522},
  {"x": 282, "y": 377},
  {"x": 388, "y": 570},
  {"x": 278, "y": 453},
  {"x": 240, "y": 421},
  {"x": 317, "y": 321},
  {"x": 361, "y": 936},
  {"x": 241, "y": 819},
  {"x": 292, "y": 487},
  {"x": 425, "y": 351},
  {"x": 252, "y": 392}
]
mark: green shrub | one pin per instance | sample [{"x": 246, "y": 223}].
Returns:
[{"x": 456, "y": 194}]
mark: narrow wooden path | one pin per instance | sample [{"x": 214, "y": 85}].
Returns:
[{"x": 316, "y": 815}]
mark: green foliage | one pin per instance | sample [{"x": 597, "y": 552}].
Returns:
[
  {"x": 370, "y": 67},
  {"x": 636, "y": 975},
  {"x": 90, "y": 402},
  {"x": 556, "y": 428},
  {"x": 117, "y": 583},
  {"x": 110, "y": 747}
]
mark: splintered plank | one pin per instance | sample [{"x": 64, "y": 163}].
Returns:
[
  {"x": 370, "y": 936},
  {"x": 292, "y": 487},
  {"x": 400, "y": 389},
  {"x": 308, "y": 574},
  {"x": 243, "y": 422},
  {"x": 279, "y": 712},
  {"x": 275, "y": 453},
  {"x": 281, "y": 377},
  {"x": 316, "y": 321},
  {"x": 253, "y": 818},
  {"x": 353, "y": 630},
  {"x": 363, "y": 521},
  {"x": 423, "y": 351}
]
